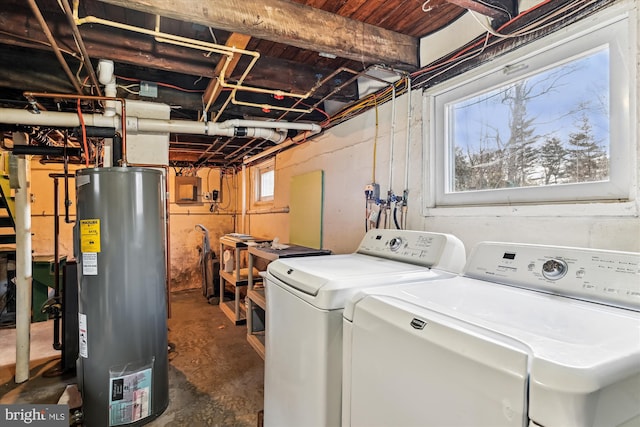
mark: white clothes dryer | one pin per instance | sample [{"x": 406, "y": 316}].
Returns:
[
  {"x": 528, "y": 336},
  {"x": 305, "y": 299}
]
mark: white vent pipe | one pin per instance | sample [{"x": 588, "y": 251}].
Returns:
[
  {"x": 272, "y": 131},
  {"x": 270, "y": 125},
  {"x": 106, "y": 78}
]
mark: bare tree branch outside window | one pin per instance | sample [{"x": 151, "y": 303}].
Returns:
[{"x": 547, "y": 129}]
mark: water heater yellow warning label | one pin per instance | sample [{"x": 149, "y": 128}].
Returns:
[{"x": 90, "y": 235}]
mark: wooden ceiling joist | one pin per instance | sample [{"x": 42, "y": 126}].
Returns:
[
  {"x": 239, "y": 41},
  {"x": 126, "y": 48},
  {"x": 290, "y": 23}
]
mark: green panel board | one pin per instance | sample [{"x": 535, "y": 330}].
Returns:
[{"x": 305, "y": 209}]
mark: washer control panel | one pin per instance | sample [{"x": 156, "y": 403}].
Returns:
[
  {"x": 554, "y": 269},
  {"x": 415, "y": 247},
  {"x": 607, "y": 277},
  {"x": 395, "y": 244}
]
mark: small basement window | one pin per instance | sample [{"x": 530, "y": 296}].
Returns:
[
  {"x": 265, "y": 181},
  {"x": 548, "y": 123}
]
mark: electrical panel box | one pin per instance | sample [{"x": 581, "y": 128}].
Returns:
[{"x": 187, "y": 189}]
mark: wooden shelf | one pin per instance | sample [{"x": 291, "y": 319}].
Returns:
[
  {"x": 240, "y": 279},
  {"x": 256, "y": 340},
  {"x": 235, "y": 310},
  {"x": 228, "y": 308},
  {"x": 257, "y": 296}
]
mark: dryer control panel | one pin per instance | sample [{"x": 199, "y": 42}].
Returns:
[
  {"x": 437, "y": 250},
  {"x": 607, "y": 277}
]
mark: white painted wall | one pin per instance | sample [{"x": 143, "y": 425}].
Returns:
[{"x": 345, "y": 153}]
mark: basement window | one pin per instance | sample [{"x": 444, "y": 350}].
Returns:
[
  {"x": 548, "y": 123},
  {"x": 265, "y": 181}
]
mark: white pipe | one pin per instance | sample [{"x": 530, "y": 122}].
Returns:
[
  {"x": 23, "y": 272},
  {"x": 276, "y": 136},
  {"x": 55, "y": 119},
  {"x": 254, "y": 128},
  {"x": 270, "y": 125},
  {"x": 299, "y": 137},
  {"x": 135, "y": 124},
  {"x": 409, "y": 117},
  {"x": 393, "y": 135},
  {"x": 244, "y": 196},
  {"x": 106, "y": 77}
]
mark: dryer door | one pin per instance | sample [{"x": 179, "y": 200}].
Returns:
[{"x": 460, "y": 374}]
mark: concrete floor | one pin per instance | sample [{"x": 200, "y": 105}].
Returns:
[{"x": 215, "y": 377}]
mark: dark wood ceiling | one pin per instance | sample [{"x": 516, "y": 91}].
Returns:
[{"x": 317, "y": 47}]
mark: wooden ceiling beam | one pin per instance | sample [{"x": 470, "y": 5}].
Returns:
[
  {"x": 291, "y": 23},
  {"x": 124, "y": 48},
  {"x": 214, "y": 89}
]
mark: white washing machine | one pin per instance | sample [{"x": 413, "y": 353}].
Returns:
[
  {"x": 528, "y": 336},
  {"x": 305, "y": 300}
]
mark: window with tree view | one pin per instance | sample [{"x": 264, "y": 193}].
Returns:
[
  {"x": 550, "y": 122},
  {"x": 264, "y": 181},
  {"x": 550, "y": 128}
]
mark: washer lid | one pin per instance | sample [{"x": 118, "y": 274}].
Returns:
[
  {"x": 409, "y": 366},
  {"x": 329, "y": 281},
  {"x": 583, "y": 354}
]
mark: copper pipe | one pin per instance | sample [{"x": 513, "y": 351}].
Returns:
[
  {"x": 83, "y": 48},
  {"x": 54, "y": 46},
  {"x": 123, "y": 115}
]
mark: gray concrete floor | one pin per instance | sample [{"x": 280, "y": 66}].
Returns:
[{"x": 215, "y": 377}]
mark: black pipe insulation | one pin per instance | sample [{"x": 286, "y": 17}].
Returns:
[
  {"x": 67, "y": 201},
  {"x": 56, "y": 267},
  {"x": 96, "y": 132},
  {"x": 39, "y": 150},
  {"x": 116, "y": 152}
]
